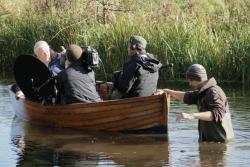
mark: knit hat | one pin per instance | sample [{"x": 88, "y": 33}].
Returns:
[
  {"x": 139, "y": 41},
  {"x": 73, "y": 53},
  {"x": 196, "y": 72}
]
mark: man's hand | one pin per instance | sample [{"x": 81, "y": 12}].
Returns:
[
  {"x": 183, "y": 115},
  {"x": 159, "y": 92}
]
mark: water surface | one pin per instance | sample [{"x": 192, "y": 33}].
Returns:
[{"x": 31, "y": 145}]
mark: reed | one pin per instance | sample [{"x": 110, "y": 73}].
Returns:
[{"x": 214, "y": 33}]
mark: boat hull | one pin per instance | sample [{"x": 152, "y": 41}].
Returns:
[{"x": 138, "y": 113}]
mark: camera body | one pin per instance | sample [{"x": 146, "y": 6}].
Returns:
[{"x": 90, "y": 58}]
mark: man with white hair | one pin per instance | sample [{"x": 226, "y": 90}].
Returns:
[
  {"x": 48, "y": 57},
  {"x": 42, "y": 53},
  {"x": 214, "y": 116}
]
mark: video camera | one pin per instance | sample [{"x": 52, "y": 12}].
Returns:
[{"x": 90, "y": 58}]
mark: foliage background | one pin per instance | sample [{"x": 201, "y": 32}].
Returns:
[{"x": 215, "y": 33}]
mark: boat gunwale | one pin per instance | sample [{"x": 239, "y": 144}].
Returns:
[{"x": 96, "y": 104}]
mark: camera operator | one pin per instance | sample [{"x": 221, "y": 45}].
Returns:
[{"x": 77, "y": 82}]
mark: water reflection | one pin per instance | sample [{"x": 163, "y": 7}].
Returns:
[
  {"x": 62, "y": 147},
  {"x": 213, "y": 154}
]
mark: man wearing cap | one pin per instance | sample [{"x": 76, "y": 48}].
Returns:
[
  {"x": 77, "y": 83},
  {"x": 214, "y": 116},
  {"x": 140, "y": 74}
]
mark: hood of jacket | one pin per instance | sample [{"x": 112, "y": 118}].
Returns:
[{"x": 147, "y": 61}]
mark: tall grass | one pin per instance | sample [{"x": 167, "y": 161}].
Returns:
[{"x": 215, "y": 33}]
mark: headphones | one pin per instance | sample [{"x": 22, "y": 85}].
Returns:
[{"x": 133, "y": 46}]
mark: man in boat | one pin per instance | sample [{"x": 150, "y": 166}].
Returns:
[
  {"x": 52, "y": 59},
  {"x": 77, "y": 82},
  {"x": 57, "y": 63},
  {"x": 43, "y": 52},
  {"x": 214, "y": 116},
  {"x": 140, "y": 74}
]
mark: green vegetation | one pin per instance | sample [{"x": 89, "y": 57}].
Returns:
[{"x": 215, "y": 33}]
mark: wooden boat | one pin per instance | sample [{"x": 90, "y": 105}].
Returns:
[{"x": 138, "y": 113}]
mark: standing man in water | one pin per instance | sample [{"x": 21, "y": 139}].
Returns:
[{"x": 214, "y": 116}]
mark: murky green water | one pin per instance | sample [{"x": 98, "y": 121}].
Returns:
[{"x": 29, "y": 145}]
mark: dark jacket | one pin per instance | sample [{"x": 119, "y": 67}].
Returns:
[
  {"x": 139, "y": 76},
  {"x": 54, "y": 66},
  {"x": 76, "y": 84},
  {"x": 212, "y": 98}
]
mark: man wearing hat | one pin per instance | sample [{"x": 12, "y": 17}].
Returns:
[
  {"x": 140, "y": 74},
  {"x": 76, "y": 83},
  {"x": 214, "y": 116}
]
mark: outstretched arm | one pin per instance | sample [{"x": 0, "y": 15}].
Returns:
[
  {"x": 204, "y": 116},
  {"x": 179, "y": 95}
]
